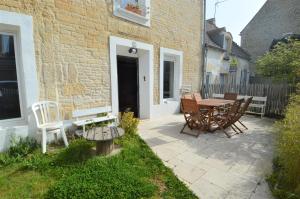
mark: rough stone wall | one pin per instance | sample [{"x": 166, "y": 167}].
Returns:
[
  {"x": 72, "y": 45},
  {"x": 276, "y": 18}
]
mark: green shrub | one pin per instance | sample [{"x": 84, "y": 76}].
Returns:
[
  {"x": 39, "y": 161},
  {"x": 19, "y": 149},
  {"x": 78, "y": 151},
  {"x": 281, "y": 63},
  {"x": 129, "y": 123},
  {"x": 285, "y": 179},
  {"x": 22, "y": 147}
]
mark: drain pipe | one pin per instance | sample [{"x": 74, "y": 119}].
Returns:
[{"x": 203, "y": 46}]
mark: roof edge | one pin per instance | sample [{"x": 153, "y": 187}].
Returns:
[{"x": 254, "y": 16}]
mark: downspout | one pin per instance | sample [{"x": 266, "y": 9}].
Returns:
[{"x": 203, "y": 46}]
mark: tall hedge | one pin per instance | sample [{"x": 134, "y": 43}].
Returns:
[{"x": 286, "y": 176}]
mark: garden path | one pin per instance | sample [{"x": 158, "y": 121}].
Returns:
[{"x": 212, "y": 165}]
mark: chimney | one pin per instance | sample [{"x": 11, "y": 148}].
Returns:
[{"x": 212, "y": 21}]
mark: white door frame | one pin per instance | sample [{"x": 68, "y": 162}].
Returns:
[{"x": 145, "y": 55}]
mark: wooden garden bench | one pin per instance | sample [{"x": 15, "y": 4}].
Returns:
[
  {"x": 89, "y": 116},
  {"x": 258, "y": 106}
]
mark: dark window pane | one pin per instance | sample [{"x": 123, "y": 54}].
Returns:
[
  {"x": 168, "y": 79},
  {"x": 9, "y": 92}
]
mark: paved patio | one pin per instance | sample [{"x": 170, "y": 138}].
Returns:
[{"x": 213, "y": 166}]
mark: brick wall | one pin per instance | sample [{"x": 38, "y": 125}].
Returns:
[{"x": 72, "y": 45}]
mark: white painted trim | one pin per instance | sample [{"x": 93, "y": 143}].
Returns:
[
  {"x": 22, "y": 26},
  {"x": 145, "y": 55},
  {"x": 130, "y": 16},
  {"x": 178, "y": 70}
]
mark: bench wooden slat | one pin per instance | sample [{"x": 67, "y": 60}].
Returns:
[
  {"x": 94, "y": 120},
  {"x": 94, "y": 111}
]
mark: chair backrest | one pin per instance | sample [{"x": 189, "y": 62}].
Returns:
[
  {"x": 230, "y": 96},
  {"x": 197, "y": 97},
  {"x": 187, "y": 96},
  {"x": 245, "y": 105},
  {"x": 218, "y": 96},
  {"x": 189, "y": 106},
  {"x": 234, "y": 109},
  {"x": 45, "y": 112},
  {"x": 259, "y": 100}
]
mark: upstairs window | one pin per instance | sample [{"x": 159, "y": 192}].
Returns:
[{"x": 137, "y": 11}]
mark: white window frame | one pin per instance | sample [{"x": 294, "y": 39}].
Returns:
[
  {"x": 130, "y": 16},
  {"x": 19, "y": 78},
  {"x": 21, "y": 26},
  {"x": 177, "y": 56}
]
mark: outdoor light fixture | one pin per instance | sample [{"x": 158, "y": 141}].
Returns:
[{"x": 133, "y": 50}]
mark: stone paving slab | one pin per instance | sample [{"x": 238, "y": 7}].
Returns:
[{"x": 213, "y": 166}]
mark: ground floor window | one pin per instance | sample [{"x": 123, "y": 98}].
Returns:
[
  {"x": 207, "y": 78},
  {"x": 168, "y": 79},
  {"x": 9, "y": 88},
  {"x": 171, "y": 62}
]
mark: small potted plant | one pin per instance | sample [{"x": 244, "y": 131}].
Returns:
[{"x": 133, "y": 8}]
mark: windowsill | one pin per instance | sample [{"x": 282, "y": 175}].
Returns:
[
  {"x": 169, "y": 100},
  {"x": 9, "y": 123},
  {"x": 131, "y": 16}
]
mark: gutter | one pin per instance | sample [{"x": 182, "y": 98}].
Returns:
[{"x": 203, "y": 46}]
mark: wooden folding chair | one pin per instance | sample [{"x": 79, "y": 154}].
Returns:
[
  {"x": 197, "y": 97},
  {"x": 194, "y": 118},
  {"x": 241, "y": 112},
  {"x": 226, "y": 120}
]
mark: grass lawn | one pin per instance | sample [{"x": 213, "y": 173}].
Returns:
[{"x": 72, "y": 173}]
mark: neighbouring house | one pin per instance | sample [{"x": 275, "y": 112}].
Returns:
[
  {"x": 274, "y": 20},
  {"x": 133, "y": 54},
  {"x": 226, "y": 61}
]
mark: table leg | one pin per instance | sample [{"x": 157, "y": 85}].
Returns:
[
  {"x": 210, "y": 119},
  {"x": 104, "y": 147}
]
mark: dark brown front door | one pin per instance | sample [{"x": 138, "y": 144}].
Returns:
[{"x": 128, "y": 84}]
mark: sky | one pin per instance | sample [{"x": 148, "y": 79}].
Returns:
[{"x": 233, "y": 14}]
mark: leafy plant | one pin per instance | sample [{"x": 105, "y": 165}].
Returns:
[
  {"x": 233, "y": 62},
  {"x": 22, "y": 147},
  {"x": 129, "y": 123},
  {"x": 78, "y": 151},
  {"x": 285, "y": 180},
  {"x": 18, "y": 150},
  {"x": 281, "y": 63}
]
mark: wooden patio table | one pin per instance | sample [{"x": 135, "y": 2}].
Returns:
[{"x": 212, "y": 105}]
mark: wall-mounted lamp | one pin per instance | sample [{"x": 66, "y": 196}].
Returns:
[{"x": 133, "y": 50}]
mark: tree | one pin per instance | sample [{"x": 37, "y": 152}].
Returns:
[{"x": 282, "y": 62}]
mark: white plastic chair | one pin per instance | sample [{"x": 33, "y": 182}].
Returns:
[{"x": 47, "y": 118}]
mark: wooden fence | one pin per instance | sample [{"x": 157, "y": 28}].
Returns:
[{"x": 277, "y": 94}]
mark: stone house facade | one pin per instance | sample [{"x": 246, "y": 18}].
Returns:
[
  {"x": 274, "y": 20},
  {"x": 226, "y": 61},
  {"x": 68, "y": 51}
]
